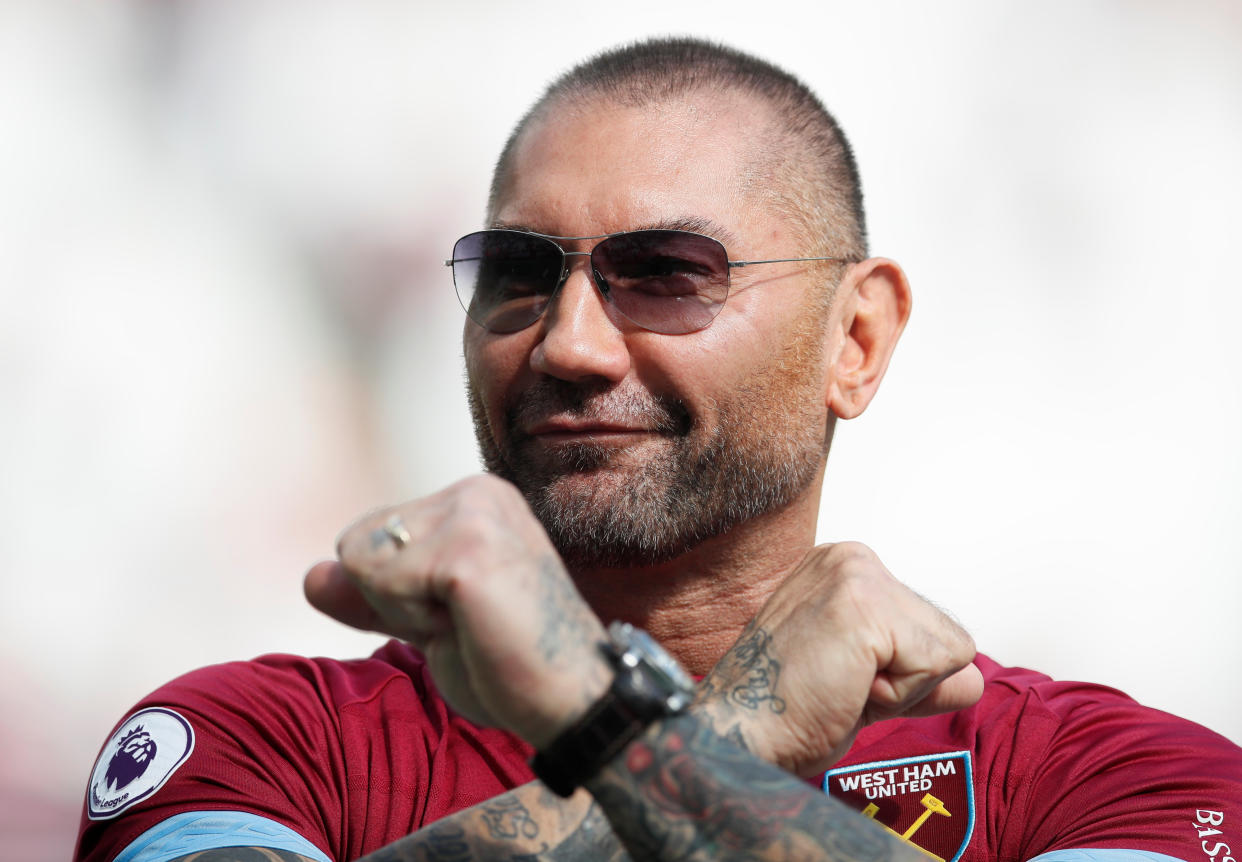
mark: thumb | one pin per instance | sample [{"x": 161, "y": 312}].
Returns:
[
  {"x": 330, "y": 591},
  {"x": 957, "y": 691}
]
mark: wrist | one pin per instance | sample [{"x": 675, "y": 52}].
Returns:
[
  {"x": 591, "y": 683},
  {"x": 646, "y": 685},
  {"x": 728, "y": 722}
]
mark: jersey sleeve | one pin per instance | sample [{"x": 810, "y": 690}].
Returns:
[
  {"x": 255, "y": 739},
  {"x": 1112, "y": 775}
]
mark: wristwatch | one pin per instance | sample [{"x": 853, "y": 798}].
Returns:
[{"x": 648, "y": 685}]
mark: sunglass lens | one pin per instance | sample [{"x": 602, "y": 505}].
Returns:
[
  {"x": 668, "y": 281},
  {"x": 504, "y": 277}
]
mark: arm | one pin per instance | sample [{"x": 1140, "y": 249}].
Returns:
[
  {"x": 479, "y": 589},
  {"x": 679, "y": 792},
  {"x": 683, "y": 792},
  {"x": 528, "y": 823}
]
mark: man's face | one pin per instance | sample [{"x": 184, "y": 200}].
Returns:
[{"x": 632, "y": 446}]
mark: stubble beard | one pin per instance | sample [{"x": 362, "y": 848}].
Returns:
[{"x": 602, "y": 510}]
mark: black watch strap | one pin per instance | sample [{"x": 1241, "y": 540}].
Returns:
[
  {"x": 638, "y": 695},
  {"x": 580, "y": 753}
]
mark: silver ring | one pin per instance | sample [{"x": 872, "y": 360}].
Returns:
[{"x": 395, "y": 530}]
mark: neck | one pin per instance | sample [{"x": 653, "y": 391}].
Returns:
[{"x": 697, "y": 604}]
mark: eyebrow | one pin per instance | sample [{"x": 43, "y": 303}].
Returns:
[{"x": 693, "y": 224}]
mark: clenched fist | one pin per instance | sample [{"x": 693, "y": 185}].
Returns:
[
  {"x": 839, "y": 645},
  {"x": 469, "y": 577}
]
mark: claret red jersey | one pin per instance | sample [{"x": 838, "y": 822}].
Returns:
[
  {"x": 348, "y": 755},
  {"x": 1046, "y": 767},
  {"x": 334, "y": 759}
]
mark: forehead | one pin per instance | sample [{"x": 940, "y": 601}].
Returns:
[{"x": 593, "y": 167}]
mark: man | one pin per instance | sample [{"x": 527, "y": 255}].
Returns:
[{"x": 669, "y": 311}]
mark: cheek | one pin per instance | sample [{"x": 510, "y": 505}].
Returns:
[
  {"x": 700, "y": 370},
  {"x": 493, "y": 366}
]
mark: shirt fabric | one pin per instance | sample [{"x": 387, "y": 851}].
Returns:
[{"x": 335, "y": 759}]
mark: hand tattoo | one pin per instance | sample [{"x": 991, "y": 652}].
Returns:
[
  {"x": 565, "y": 609},
  {"x": 751, "y": 659},
  {"x": 745, "y": 679}
]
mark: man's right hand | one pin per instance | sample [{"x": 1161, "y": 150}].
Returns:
[{"x": 840, "y": 645}]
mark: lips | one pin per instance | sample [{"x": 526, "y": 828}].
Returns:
[
  {"x": 583, "y": 428},
  {"x": 559, "y": 411}
]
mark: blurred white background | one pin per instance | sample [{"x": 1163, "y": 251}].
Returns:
[{"x": 226, "y": 329}]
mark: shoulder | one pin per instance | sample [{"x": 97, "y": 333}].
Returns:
[
  {"x": 1051, "y": 765},
  {"x": 337, "y": 682},
  {"x": 301, "y": 742},
  {"x": 1091, "y": 767},
  {"x": 1074, "y": 729},
  {"x": 1081, "y": 719},
  {"x": 322, "y": 696}
]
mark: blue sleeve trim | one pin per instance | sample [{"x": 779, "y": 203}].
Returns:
[
  {"x": 1104, "y": 856},
  {"x": 196, "y": 831}
]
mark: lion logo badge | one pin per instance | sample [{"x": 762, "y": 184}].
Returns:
[
  {"x": 141, "y": 756},
  {"x": 135, "y": 753}
]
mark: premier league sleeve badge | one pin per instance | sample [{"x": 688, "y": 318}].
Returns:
[{"x": 137, "y": 760}]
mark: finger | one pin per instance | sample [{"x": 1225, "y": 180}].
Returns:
[
  {"x": 924, "y": 694},
  {"x": 929, "y": 665},
  {"x": 959, "y": 691},
  {"x": 377, "y": 539},
  {"x": 331, "y": 591}
]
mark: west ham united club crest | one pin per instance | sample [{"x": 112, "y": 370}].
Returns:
[
  {"x": 142, "y": 754},
  {"x": 926, "y": 801}
]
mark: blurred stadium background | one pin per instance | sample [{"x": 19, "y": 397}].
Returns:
[{"x": 226, "y": 329}]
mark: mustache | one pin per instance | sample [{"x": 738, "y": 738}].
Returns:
[{"x": 551, "y": 397}]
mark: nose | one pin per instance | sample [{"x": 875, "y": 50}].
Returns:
[{"x": 578, "y": 340}]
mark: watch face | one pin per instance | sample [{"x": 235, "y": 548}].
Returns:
[{"x": 675, "y": 685}]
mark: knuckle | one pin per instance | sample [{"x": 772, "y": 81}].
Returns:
[
  {"x": 484, "y": 486},
  {"x": 350, "y": 546},
  {"x": 479, "y": 483},
  {"x": 855, "y": 553},
  {"x": 347, "y": 540},
  {"x": 484, "y": 493},
  {"x": 854, "y": 562},
  {"x": 964, "y": 648},
  {"x": 470, "y": 531},
  {"x": 863, "y": 589},
  {"x": 953, "y": 646}
]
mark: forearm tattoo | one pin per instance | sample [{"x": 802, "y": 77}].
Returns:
[
  {"x": 507, "y": 818},
  {"x": 506, "y": 828},
  {"x": 681, "y": 792},
  {"x": 687, "y": 789}
]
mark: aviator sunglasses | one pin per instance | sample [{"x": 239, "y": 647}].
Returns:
[{"x": 667, "y": 281}]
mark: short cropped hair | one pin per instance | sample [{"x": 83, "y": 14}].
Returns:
[{"x": 813, "y": 175}]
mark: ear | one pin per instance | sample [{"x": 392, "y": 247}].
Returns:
[{"x": 871, "y": 310}]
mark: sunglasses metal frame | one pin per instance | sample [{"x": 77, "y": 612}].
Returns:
[{"x": 565, "y": 255}]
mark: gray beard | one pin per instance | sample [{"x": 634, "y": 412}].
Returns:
[{"x": 766, "y": 449}]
